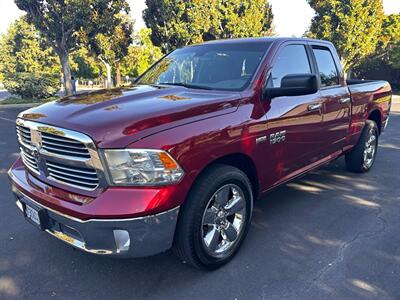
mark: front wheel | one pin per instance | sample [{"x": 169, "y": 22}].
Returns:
[
  {"x": 215, "y": 218},
  {"x": 362, "y": 156}
]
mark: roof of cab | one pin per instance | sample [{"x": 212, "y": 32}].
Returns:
[{"x": 263, "y": 39}]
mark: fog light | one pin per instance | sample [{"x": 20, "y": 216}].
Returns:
[{"x": 122, "y": 240}]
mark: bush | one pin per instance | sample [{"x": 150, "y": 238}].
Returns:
[{"x": 32, "y": 85}]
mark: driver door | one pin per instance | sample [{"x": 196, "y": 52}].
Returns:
[{"x": 296, "y": 119}]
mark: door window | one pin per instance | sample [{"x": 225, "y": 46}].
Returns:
[
  {"x": 292, "y": 59},
  {"x": 326, "y": 66}
]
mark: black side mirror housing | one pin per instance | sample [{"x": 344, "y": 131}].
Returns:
[{"x": 294, "y": 85}]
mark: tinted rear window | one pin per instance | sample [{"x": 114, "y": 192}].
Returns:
[{"x": 326, "y": 66}]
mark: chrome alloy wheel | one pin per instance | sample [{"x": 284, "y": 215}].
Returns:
[
  {"x": 223, "y": 220},
  {"x": 370, "y": 149}
]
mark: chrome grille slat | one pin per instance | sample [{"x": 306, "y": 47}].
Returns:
[
  {"x": 62, "y": 156},
  {"x": 28, "y": 155},
  {"x": 29, "y": 161},
  {"x": 66, "y": 168},
  {"x": 32, "y": 161},
  {"x": 84, "y": 154},
  {"x": 74, "y": 182},
  {"x": 24, "y": 141},
  {"x": 24, "y": 134},
  {"x": 51, "y": 171},
  {"x": 56, "y": 144},
  {"x": 32, "y": 165},
  {"x": 23, "y": 129},
  {"x": 59, "y": 138}
]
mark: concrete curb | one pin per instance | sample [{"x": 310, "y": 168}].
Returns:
[{"x": 19, "y": 105}]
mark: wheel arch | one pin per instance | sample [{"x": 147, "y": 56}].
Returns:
[
  {"x": 376, "y": 116},
  {"x": 238, "y": 160}
]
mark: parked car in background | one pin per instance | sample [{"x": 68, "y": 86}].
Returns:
[{"x": 177, "y": 160}]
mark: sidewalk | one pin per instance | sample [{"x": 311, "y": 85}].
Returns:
[{"x": 396, "y": 104}]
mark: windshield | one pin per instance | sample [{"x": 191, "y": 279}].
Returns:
[{"x": 222, "y": 66}]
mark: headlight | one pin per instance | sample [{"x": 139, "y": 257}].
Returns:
[{"x": 141, "y": 167}]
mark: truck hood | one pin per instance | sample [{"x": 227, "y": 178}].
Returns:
[{"x": 114, "y": 118}]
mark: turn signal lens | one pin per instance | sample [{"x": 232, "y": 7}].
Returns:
[{"x": 167, "y": 161}]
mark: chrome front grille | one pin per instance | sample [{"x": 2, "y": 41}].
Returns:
[
  {"x": 61, "y": 156},
  {"x": 79, "y": 177},
  {"x": 64, "y": 146}
]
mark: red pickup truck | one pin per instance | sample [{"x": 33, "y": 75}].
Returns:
[{"x": 178, "y": 159}]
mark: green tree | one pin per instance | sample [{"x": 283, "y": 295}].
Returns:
[
  {"x": 384, "y": 63},
  {"x": 141, "y": 55},
  {"x": 32, "y": 86},
  {"x": 395, "y": 56},
  {"x": 112, "y": 47},
  {"x": 63, "y": 21},
  {"x": 390, "y": 33},
  {"x": 352, "y": 25},
  {"x": 237, "y": 18},
  {"x": 390, "y": 40},
  {"x": 177, "y": 23},
  {"x": 22, "y": 49},
  {"x": 84, "y": 65}
]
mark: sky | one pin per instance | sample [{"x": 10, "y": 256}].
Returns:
[{"x": 291, "y": 17}]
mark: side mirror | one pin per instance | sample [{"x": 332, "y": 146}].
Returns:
[{"x": 294, "y": 85}]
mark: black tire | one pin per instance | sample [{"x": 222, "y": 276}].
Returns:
[
  {"x": 355, "y": 159},
  {"x": 189, "y": 243}
]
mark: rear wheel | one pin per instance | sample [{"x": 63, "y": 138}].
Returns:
[
  {"x": 362, "y": 157},
  {"x": 215, "y": 218}
]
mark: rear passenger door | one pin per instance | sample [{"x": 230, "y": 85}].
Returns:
[{"x": 335, "y": 98}]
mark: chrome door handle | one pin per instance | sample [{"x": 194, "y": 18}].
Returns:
[
  {"x": 344, "y": 100},
  {"x": 314, "y": 106}
]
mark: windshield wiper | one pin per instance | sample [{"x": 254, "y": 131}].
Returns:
[{"x": 187, "y": 85}]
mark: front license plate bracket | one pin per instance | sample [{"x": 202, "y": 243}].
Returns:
[{"x": 36, "y": 216}]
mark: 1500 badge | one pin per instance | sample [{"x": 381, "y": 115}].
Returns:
[{"x": 278, "y": 137}]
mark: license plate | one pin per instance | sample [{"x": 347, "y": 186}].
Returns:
[{"x": 32, "y": 215}]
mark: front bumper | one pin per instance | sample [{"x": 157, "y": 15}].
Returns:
[
  {"x": 135, "y": 237},
  {"x": 130, "y": 222}
]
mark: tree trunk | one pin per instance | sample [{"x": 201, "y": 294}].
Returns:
[
  {"x": 109, "y": 79},
  {"x": 66, "y": 70},
  {"x": 349, "y": 74},
  {"x": 118, "y": 74},
  {"x": 108, "y": 70}
]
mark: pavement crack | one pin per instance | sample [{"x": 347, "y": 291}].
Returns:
[{"x": 341, "y": 253}]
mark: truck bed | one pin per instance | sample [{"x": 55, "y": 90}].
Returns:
[{"x": 367, "y": 96}]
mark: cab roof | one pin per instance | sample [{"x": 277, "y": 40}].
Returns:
[{"x": 263, "y": 39}]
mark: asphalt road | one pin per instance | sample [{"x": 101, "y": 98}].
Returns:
[{"x": 330, "y": 234}]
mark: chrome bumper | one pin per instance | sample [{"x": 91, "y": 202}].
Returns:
[{"x": 136, "y": 237}]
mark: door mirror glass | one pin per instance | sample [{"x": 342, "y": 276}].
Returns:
[{"x": 294, "y": 85}]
